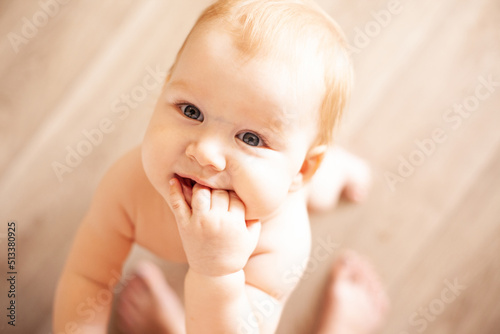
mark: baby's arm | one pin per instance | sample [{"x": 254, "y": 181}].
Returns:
[
  {"x": 84, "y": 294},
  {"x": 219, "y": 296}
]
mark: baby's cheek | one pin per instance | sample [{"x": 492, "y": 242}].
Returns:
[
  {"x": 150, "y": 158},
  {"x": 264, "y": 198},
  {"x": 155, "y": 162}
]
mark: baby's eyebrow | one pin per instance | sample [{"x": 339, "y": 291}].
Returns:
[
  {"x": 181, "y": 88},
  {"x": 280, "y": 118},
  {"x": 274, "y": 126},
  {"x": 178, "y": 84}
]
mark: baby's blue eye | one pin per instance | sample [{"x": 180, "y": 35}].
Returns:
[
  {"x": 192, "y": 112},
  {"x": 250, "y": 138}
]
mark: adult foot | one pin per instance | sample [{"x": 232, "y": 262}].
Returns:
[
  {"x": 355, "y": 301},
  {"x": 147, "y": 304},
  {"x": 341, "y": 174}
]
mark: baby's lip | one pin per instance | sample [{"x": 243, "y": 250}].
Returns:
[{"x": 189, "y": 179}]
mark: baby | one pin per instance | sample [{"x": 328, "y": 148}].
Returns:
[{"x": 224, "y": 176}]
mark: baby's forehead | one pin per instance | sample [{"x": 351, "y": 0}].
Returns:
[
  {"x": 296, "y": 81},
  {"x": 292, "y": 94},
  {"x": 301, "y": 60}
]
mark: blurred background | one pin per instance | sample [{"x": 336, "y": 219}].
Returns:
[{"x": 79, "y": 80}]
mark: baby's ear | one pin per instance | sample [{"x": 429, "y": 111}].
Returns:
[{"x": 310, "y": 165}]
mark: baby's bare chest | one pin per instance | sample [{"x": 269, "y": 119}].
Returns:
[{"x": 156, "y": 230}]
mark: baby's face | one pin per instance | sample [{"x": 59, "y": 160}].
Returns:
[{"x": 231, "y": 123}]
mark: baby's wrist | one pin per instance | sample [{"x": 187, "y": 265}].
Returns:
[
  {"x": 223, "y": 266},
  {"x": 224, "y": 287},
  {"x": 214, "y": 274}
]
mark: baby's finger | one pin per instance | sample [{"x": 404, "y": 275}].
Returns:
[
  {"x": 236, "y": 206},
  {"x": 201, "y": 199},
  {"x": 220, "y": 200},
  {"x": 178, "y": 203}
]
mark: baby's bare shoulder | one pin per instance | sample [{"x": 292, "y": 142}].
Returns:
[{"x": 125, "y": 184}]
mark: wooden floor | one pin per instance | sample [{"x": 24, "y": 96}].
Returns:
[{"x": 425, "y": 114}]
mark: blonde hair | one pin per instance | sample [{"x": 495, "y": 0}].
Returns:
[{"x": 288, "y": 29}]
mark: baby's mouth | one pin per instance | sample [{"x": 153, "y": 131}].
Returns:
[
  {"x": 187, "y": 182},
  {"x": 187, "y": 185}
]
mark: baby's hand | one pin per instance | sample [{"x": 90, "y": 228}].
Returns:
[{"x": 216, "y": 238}]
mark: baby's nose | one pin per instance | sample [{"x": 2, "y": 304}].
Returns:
[{"x": 207, "y": 152}]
